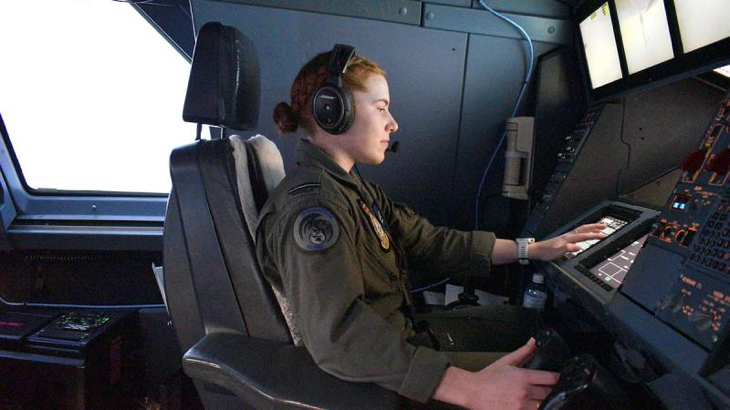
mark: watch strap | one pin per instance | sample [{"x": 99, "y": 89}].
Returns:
[{"x": 522, "y": 253}]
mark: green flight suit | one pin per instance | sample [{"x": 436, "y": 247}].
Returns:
[{"x": 320, "y": 243}]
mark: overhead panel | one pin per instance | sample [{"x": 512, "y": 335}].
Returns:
[
  {"x": 396, "y": 11},
  {"x": 542, "y": 29},
  {"x": 462, "y": 3},
  {"x": 545, "y": 8}
]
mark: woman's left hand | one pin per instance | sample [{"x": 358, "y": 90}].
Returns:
[{"x": 556, "y": 247}]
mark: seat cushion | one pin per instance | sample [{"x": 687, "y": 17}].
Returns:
[
  {"x": 272, "y": 165},
  {"x": 272, "y": 170}
]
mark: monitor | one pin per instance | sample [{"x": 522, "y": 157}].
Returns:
[
  {"x": 644, "y": 33},
  {"x": 724, "y": 71},
  {"x": 600, "y": 47},
  {"x": 613, "y": 270},
  {"x": 702, "y": 22}
]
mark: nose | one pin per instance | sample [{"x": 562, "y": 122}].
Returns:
[{"x": 392, "y": 125}]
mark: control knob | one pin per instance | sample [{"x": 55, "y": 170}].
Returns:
[
  {"x": 675, "y": 301},
  {"x": 702, "y": 321}
]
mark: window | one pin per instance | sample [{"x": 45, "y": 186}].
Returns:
[{"x": 92, "y": 95}]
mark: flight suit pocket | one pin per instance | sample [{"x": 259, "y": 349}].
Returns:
[{"x": 380, "y": 271}]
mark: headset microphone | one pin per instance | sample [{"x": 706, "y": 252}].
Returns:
[{"x": 394, "y": 147}]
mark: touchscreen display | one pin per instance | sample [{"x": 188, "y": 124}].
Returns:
[
  {"x": 612, "y": 223},
  {"x": 614, "y": 269},
  {"x": 645, "y": 33},
  {"x": 702, "y": 22},
  {"x": 600, "y": 47}
]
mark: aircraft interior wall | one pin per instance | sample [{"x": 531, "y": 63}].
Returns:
[{"x": 451, "y": 91}]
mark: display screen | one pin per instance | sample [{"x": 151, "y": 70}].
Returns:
[
  {"x": 612, "y": 223},
  {"x": 613, "y": 270},
  {"x": 644, "y": 32},
  {"x": 724, "y": 71},
  {"x": 702, "y": 22},
  {"x": 600, "y": 47}
]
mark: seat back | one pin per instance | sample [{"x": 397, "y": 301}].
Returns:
[
  {"x": 234, "y": 296},
  {"x": 211, "y": 277}
]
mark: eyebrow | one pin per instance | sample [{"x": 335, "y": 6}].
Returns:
[{"x": 385, "y": 100}]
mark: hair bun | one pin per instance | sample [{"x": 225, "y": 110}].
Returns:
[{"x": 285, "y": 118}]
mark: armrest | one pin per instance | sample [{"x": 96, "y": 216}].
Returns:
[{"x": 283, "y": 374}]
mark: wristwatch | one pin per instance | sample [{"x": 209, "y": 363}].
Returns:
[{"x": 522, "y": 249}]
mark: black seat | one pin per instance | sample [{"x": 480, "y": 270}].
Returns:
[{"x": 238, "y": 347}]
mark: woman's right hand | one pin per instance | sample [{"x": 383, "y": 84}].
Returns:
[{"x": 501, "y": 385}]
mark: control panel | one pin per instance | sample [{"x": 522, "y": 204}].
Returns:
[
  {"x": 599, "y": 267},
  {"x": 572, "y": 146},
  {"x": 695, "y": 224},
  {"x": 697, "y": 306}
]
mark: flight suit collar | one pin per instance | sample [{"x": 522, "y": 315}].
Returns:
[{"x": 308, "y": 155}]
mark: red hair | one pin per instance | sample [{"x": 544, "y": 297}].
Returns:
[{"x": 289, "y": 118}]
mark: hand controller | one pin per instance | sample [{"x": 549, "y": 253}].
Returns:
[
  {"x": 550, "y": 354},
  {"x": 584, "y": 383}
]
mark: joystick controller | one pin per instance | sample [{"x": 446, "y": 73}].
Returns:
[
  {"x": 550, "y": 354},
  {"x": 583, "y": 384}
]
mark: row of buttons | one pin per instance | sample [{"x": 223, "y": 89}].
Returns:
[
  {"x": 711, "y": 251},
  {"x": 715, "y": 234},
  {"x": 717, "y": 225},
  {"x": 712, "y": 242},
  {"x": 718, "y": 215},
  {"x": 711, "y": 263},
  {"x": 594, "y": 278},
  {"x": 715, "y": 253}
]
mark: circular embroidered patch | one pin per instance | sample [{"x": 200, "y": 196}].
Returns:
[{"x": 316, "y": 229}]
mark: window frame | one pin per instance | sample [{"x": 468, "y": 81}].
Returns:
[{"x": 89, "y": 220}]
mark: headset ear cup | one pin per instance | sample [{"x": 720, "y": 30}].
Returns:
[
  {"x": 343, "y": 109},
  {"x": 348, "y": 103},
  {"x": 332, "y": 106}
]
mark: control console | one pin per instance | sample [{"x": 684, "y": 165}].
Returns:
[
  {"x": 596, "y": 271},
  {"x": 693, "y": 230},
  {"x": 572, "y": 146}
]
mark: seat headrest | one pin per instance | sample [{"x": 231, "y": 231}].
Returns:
[{"x": 224, "y": 85}]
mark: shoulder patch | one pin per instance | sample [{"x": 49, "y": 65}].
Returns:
[
  {"x": 308, "y": 187},
  {"x": 316, "y": 229}
]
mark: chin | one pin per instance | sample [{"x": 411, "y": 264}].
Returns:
[
  {"x": 374, "y": 160},
  {"x": 379, "y": 160}
]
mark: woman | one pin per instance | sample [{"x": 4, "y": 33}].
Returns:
[{"x": 338, "y": 249}]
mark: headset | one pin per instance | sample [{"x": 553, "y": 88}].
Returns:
[{"x": 332, "y": 104}]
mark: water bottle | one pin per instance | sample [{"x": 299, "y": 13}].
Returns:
[{"x": 536, "y": 293}]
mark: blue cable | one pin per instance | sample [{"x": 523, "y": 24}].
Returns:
[
  {"x": 504, "y": 133},
  {"x": 528, "y": 75}
]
